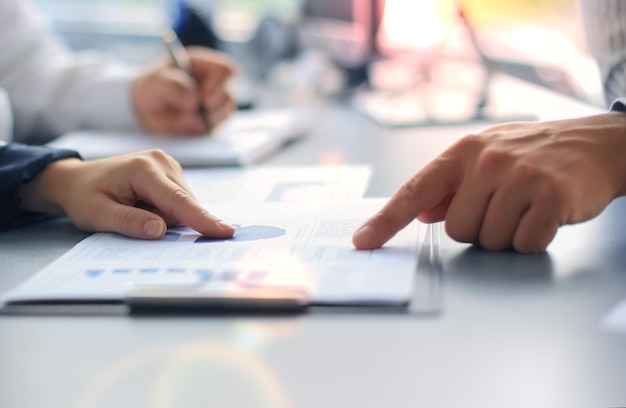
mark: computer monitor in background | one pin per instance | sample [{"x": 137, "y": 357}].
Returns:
[
  {"x": 346, "y": 30},
  {"x": 426, "y": 72},
  {"x": 541, "y": 43},
  {"x": 437, "y": 58}
]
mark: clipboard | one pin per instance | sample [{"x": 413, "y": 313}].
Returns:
[{"x": 246, "y": 295}]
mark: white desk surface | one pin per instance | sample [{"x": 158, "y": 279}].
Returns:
[{"x": 514, "y": 331}]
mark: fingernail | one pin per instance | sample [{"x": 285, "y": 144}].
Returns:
[
  {"x": 363, "y": 237},
  {"x": 226, "y": 227},
  {"x": 154, "y": 229}
]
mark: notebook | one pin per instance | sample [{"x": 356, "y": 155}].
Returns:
[{"x": 246, "y": 137}]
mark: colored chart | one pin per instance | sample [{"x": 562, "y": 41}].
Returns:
[{"x": 248, "y": 233}]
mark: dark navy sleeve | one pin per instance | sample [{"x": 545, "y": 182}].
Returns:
[
  {"x": 619, "y": 105},
  {"x": 19, "y": 164}
]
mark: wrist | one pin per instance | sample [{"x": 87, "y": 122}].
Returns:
[
  {"x": 618, "y": 150},
  {"x": 47, "y": 191}
]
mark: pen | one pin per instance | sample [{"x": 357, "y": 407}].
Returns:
[{"x": 181, "y": 60}]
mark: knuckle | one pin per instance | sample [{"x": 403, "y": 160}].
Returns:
[
  {"x": 228, "y": 68},
  {"x": 550, "y": 195},
  {"x": 501, "y": 129},
  {"x": 458, "y": 233},
  {"x": 179, "y": 197},
  {"x": 149, "y": 161},
  {"x": 124, "y": 220},
  {"x": 141, "y": 162},
  {"x": 409, "y": 190},
  {"x": 175, "y": 164},
  {"x": 158, "y": 153},
  {"x": 384, "y": 218},
  {"x": 469, "y": 142},
  {"x": 492, "y": 160}
]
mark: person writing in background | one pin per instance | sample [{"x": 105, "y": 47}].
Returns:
[
  {"x": 47, "y": 90},
  {"x": 513, "y": 185},
  {"x": 53, "y": 90}
]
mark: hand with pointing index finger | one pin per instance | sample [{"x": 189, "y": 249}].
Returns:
[
  {"x": 512, "y": 185},
  {"x": 137, "y": 195}
]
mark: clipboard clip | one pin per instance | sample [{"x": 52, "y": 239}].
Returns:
[{"x": 249, "y": 300}]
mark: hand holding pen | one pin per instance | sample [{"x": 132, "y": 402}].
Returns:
[
  {"x": 185, "y": 93},
  {"x": 181, "y": 60}
]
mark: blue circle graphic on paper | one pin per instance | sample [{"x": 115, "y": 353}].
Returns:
[{"x": 248, "y": 233}]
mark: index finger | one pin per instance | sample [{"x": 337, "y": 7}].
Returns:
[
  {"x": 423, "y": 191},
  {"x": 177, "y": 89},
  {"x": 210, "y": 69},
  {"x": 177, "y": 202}
]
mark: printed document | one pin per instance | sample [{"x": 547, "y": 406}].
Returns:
[
  {"x": 276, "y": 245},
  {"x": 273, "y": 184}
]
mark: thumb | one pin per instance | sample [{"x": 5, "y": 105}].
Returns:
[{"x": 130, "y": 221}]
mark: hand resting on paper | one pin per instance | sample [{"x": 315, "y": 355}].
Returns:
[
  {"x": 136, "y": 195},
  {"x": 512, "y": 185}
]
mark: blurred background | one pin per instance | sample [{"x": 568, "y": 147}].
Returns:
[{"x": 333, "y": 46}]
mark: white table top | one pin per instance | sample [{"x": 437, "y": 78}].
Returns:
[{"x": 514, "y": 330}]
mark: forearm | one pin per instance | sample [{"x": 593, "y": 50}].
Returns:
[{"x": 53, "y": 90}]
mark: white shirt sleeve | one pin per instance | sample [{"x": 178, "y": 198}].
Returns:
[
  {"x": 6, "y": 118},
  {"x": 52, "y": 89},
  {"x": 605, "y": 31}
]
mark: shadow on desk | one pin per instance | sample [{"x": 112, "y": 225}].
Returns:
[
  {"x": 500, "y": 270},
  {"x": 591, "y": 248}
]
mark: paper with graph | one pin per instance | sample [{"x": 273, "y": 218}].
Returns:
[{"x": 275, "y": 245}]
